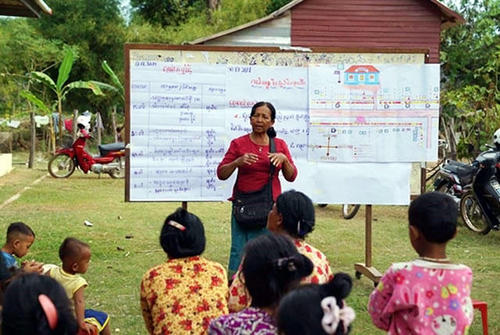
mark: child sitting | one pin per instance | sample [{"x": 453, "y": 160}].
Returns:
[
  {"x": 271, "y": 266},
  {"x": 75, "y": 257},
  {"x": 37, "y": 305},
  {"x": 317, "y": 309},
  {"x": 429, "y": 295},
  {"x": 20, "y": 237}
]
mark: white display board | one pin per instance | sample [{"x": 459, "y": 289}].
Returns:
[{"x": 352, "y": 140}]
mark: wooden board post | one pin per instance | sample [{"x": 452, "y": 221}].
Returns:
[{"x": 366, "y": 268}]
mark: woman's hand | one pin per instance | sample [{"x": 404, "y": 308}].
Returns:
[
  {"x": 277, "y": 158},
  {"x": 247, "y": 159}
]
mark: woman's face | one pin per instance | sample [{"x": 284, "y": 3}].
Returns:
[
  {"x": 274, "y": 219},
  {"x": 261, "y": 119}
]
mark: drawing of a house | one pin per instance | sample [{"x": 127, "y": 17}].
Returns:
[{"x": 361, "y": 75}]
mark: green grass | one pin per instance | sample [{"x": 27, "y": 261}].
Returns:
[{"x": 56, "y": 208}]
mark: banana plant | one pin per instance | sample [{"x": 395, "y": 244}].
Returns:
[
  {"x": 61, "y": 88},
  {"x": 115, "y": 80}
]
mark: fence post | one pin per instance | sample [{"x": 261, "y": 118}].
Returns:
[
  {"x": 99, "y": 125},
  {"x": 74, "y": 128},
  {"x": 33, "y": 140},
  {"x": 113, "y": 120}
]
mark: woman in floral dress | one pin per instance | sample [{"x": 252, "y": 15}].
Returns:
[{"x": 182, "y": 295}]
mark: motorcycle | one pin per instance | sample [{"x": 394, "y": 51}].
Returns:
[
  {"x": 480, "y": 204},
  {"x": 111, "y": 159},
  {"x": 348, "y": 210},
  {"x": 453, "y": 178}
]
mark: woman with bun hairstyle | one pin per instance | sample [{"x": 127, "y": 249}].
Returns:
[
  {"x": 293, "y": 216},
  {"x": 250, "y": 155},
  {"x": 272, "y": 266},
  {"x": 182, "y": 295},
  {"x": 317, "y": 309}
]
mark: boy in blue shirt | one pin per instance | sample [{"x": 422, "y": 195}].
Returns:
[{"x": 20, "y": 237}]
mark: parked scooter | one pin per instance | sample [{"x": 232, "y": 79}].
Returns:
[
  {"x": 111, "y": 159},
  {"x": 480, "y": 205},
  {"x": 453, "y": 178}
]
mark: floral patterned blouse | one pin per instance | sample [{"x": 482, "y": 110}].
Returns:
[
  {"x": 250, "y": 321},
  {"x": 182, "y": 296},
  {"x": 239, "y": 298}
]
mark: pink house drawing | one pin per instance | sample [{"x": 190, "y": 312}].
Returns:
[{"x": 361, "y": 75}]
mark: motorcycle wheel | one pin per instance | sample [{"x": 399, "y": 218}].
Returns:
[
  {"x": 118, "y": 173},
  {"x": 349, "y": 211},
  {"x": 472, "y": 214},
  {"x": 61, "y": 166}
]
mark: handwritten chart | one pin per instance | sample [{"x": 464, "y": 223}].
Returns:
[
  {"x": 177, "y": 122},
  {"x": 185, "y": 106}
]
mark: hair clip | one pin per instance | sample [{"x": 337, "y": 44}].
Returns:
[
  {"x": 176, "y": 225},
  {"x": 298, "y": 227},
  {"x": 288, "y": 262},
  {"x": 333, "y": 315},
  {"x": 49, "y": 309}
]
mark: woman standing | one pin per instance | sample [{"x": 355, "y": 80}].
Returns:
[{"x": 250, "y": 155}]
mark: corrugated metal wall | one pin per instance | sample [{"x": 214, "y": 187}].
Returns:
[{"x": 368, "y": 24}]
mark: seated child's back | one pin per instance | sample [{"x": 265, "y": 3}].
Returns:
[{"x": 429, "y": 295}]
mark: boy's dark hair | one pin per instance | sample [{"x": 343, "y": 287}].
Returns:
[
  {"x": 435, "y": 215},
  {"x": 271, "y": 267},
  {"x": 18, "y": 228},
  {"x": 297, "y": 211},
  {"x": 23, "y": 314},
  {"x": 182, "y": 235},
  {"x": 300, "y": 311},
  {"x": 71, "y": 248}
]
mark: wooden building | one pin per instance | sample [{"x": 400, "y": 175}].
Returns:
[{"x": 348, "y": 24}]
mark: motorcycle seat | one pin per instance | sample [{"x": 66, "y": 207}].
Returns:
[
  {"x": 464, "y": 171},
  {"x": 104, "y": 149}
]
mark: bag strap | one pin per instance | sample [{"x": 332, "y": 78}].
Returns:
[{"x": 272, "y": 148}]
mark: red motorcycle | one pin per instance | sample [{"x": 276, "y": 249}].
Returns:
[{"x": 111, "y": 159}]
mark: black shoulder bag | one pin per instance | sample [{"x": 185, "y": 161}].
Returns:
[{"x": 251, "y": 209}]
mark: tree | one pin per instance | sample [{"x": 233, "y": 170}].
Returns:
[
  {"x": 167, "y": 12},
  {"x": 61, "y": 88},
  {"x": 96, "y": 30},
  {"x": 275, "y": 5},
  {"x": 470, "y": 57},
  {"x": 23, "y": 50}
]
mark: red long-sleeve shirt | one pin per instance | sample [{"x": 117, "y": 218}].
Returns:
[{"x": 254, "y": 177}]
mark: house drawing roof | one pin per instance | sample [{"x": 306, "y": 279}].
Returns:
[
  {"x": 448, "y": 18},
  {"x": 26, "y": 8},
  {"x": 361, "y": 69}
]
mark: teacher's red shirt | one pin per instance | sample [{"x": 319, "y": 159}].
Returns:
[{"x": 254, "y": 177}]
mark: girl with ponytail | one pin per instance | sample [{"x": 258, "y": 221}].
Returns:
[
  {"x": 272, "y": 266},
  {"x": 317, "y": 309}
]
